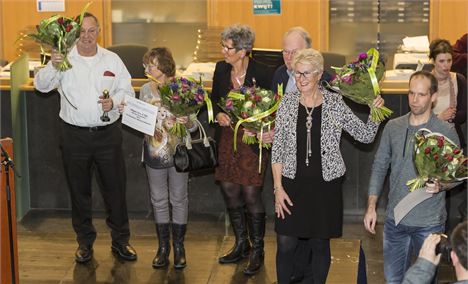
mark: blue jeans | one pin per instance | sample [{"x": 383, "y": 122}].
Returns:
[{"x": 399, "y": 242}]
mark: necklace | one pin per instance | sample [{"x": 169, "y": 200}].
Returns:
[
  {"x": 238, "y": 78},
  {"x": 309, "y": 132}
]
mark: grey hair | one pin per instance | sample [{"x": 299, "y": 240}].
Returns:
[
  {"x": 242, "y": 36},
  {"x": 309, "y": 56},
  {"x": 303, "y": 33}
]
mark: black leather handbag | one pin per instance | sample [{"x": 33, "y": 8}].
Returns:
[{"x": 192, "y": 155}]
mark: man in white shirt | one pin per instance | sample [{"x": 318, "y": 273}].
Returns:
[{"x": 89, "y": 142}]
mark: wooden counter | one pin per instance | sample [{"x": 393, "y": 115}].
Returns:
[{"x": 387, "y": 87}]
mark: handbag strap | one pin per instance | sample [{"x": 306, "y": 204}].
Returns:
[{"x": 202, "y": 132}]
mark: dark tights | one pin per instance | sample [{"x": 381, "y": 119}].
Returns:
[
  {"x": 318, "y": 260},
  {"x": 236, "y": 195}
]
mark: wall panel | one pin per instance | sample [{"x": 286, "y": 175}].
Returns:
[
  {"x": 449, "y": 19},
  {"x": 22, "y": 16},
  {"x": 312, "y": 15}
]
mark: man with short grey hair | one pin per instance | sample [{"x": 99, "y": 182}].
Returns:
[{"x": 294, "y": 40}]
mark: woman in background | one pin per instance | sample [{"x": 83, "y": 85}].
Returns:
[{"x": 450, "y": 104}]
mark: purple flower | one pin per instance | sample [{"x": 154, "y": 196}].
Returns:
[
  {"x": 175, "y": 97},
  {"x": 348, "y": 79},
  {"x": 362, "y": 56},
  {"x": 229, "y": 104},
  {"x": 243, "y": 90},
  {"x": 174, "y": 86},
  {"x": 200, "y": 91},
  {"x": 199, "y": 98}
]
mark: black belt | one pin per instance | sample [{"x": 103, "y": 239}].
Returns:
[{"x": 88, "y": 128}]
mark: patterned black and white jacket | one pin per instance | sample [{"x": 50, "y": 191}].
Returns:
[{"x": 336, "y": 116}]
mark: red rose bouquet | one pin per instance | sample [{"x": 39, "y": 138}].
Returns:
[
  {"x": 359, "y": 81},
  {"x": 437, "y": 157},
  {"x": 60, "y": 33}
]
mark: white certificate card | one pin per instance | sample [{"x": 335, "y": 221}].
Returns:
[{"x": 140, "y": 115}]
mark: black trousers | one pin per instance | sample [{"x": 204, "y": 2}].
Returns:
[
  {"x": 84, "y": 150},
  {"x": 317, "y": 260}
]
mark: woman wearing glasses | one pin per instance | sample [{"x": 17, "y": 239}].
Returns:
[
  {"x": 237, "y": 173},
  {"x": 308, "y": 167},
  {"x": 165, "y": 183}
]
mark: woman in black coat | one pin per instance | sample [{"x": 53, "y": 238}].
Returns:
[{"x": 237, "y": 173}]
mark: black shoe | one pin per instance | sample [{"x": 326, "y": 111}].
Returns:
[
  {"x": 84, "y": 253},
  {"x": 161, "y": 260},
  {"x": 178, "y": 235},
  {"x": 256, "y": 224},
  {"x": 241, "y": 248},
  {"x": 124, "y": 251}
]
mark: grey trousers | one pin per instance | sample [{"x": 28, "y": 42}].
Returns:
[{"x": 168, "y": 185}]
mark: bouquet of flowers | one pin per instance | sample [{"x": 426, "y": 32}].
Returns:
[
  {"x": 436, "y": 157},
  {"x": 359, "y": 81},
  {"x": 253, "y": 108},
  {"x": 182, "y": 97},
  {"x": 60, "y": 33}
]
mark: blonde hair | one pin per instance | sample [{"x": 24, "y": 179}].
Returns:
[{"x": 309, "y": 56}]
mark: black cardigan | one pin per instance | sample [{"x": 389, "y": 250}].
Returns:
[{"x": 257, "y": 74}]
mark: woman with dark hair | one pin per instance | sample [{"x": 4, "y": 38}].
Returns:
[
  {"x": 450, "y": 104},
  {"x": 241, "y": 184},
  {"x": 166, "y": 184}
]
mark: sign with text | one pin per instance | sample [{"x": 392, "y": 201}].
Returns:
[
  {"x": 50, "y": 5},
  {"x": 266, "y": 7},
  {"x": 140, "y": 115}
]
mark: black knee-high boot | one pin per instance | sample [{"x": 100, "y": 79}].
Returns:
[
  {"x": 161, "y": 259},
  {"x": 241, "y": 248},
  {"x": 178, "y": 235},
  {"x": 256, "y": 233}
]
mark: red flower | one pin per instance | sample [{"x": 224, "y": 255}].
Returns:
[
  {"x": 440, "y": 141},
  {"x": 427, "y": 150},
  {"x": 229, "y": 104},
  {"x": 436, "y": 157},
  {"x": 244, "y": 114},
  {"x": 61, "y": 20},
  {"x": 444, "y": 169},
  {"x": 176, "y": 98},
  {"x": 456, "y": 151},
  {"x": 69, "y": 28},
  {"x": 449, "y": 158}
]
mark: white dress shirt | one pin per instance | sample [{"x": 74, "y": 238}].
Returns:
[{"x": 81, "y": 86}]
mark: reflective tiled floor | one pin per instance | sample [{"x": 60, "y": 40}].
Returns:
[{"x": 46, "y": 247}]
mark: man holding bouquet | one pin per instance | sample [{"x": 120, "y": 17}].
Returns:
[
  {"x": 96, "y": 84},
  {"x": 396, "y": 150}
]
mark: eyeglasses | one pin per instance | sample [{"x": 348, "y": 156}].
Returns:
[
  {"x": 226, "y": 48},
  {"x": 289, "y": 52},
  {"x": 91, "y": 31},
  {"x": 305, "y": 74},
  {"x": 150, "y": 66}
]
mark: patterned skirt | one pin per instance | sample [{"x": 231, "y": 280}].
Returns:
[{"x": 240, "y": 167}]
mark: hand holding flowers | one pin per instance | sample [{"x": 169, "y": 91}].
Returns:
[
  {"x": 436, "y": 158},
  {"x": 254, "y": 109},
  {"x": 60, "y": 34},
  {"x": 183, "y": 97},
  {"x": 359, "y": 81}
]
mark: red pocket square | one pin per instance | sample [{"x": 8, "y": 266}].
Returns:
[{"x": 109, "y": 74}]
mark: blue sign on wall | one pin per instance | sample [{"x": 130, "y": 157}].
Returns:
[{"x": 266, "y": 7}]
